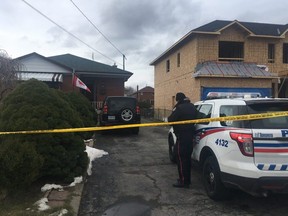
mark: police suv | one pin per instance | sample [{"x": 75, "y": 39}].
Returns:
[{"x": 250, "y": 155}]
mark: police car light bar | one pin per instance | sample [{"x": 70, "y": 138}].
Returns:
[{"x": 218, "y": 95}]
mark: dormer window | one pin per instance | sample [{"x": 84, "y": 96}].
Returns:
[{"x": 231, "y": 51}]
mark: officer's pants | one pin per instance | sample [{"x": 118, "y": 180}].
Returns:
[{"x": 184, "y": 148}]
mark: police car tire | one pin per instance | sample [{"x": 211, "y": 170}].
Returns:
[{"x": 212, "y": 180}]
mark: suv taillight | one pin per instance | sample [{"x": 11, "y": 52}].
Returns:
[
  {"x": 137, "y": 110},
  {"x": 105, "y": 109},
  {"x": 245, "y": 143}
]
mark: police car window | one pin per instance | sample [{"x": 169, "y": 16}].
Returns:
[
  {"x": 269, "y": 123},
  {"x": 232, "y": 110},
  {"x": 204, "y": 111}
]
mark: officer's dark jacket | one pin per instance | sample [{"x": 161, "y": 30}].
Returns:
[{"x": 183, "y": 110}]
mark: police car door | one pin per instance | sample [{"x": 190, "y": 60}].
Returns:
[{"x": 204, "y": 111}]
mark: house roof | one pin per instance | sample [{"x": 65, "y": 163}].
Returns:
[
  {"x": 215, "y": 27},
  {"x": 86, "y": 66},
  {"x": 147, "y": 89},
  {"x": 256, "y": 29},
  {"x": 34, "y": 54},
  {"x": 81, "y": 65},
  {"x": 232, "y": 69}
]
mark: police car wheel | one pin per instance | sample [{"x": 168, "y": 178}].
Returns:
[
  {"x": 212, "y": 181},
  {"x": 172, "y": 153}
]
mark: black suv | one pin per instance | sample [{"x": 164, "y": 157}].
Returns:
[{"x": 119, "y": 110}]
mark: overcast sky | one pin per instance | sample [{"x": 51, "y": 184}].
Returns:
[{"x": 140, "y": 29}]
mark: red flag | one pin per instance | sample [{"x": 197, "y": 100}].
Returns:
[{"x": 78, "y": 83}]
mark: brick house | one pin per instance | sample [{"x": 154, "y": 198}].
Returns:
[
  {"x": 223, "y": 56},
  {"x": 145, "y": 94},
  {"x": 56, "y": 72}
]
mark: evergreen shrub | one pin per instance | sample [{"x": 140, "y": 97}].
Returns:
[
  {"x": 28, "y": 157},
  {"x": 84, "y": 108}
]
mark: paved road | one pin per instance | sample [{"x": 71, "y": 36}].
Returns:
[{"x": 136, "y": 179}]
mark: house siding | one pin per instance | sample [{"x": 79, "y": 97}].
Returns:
[
  {"x": 178, "y": 78},
  {"x": 231, "y": 82},
  {"x": 108, "y": 86},
  {"x": 37, "y": 64},
  {"x": 100, "y": 88},
  {"x": 67, "y": 84},
  {"x": 207, "y": 48}
]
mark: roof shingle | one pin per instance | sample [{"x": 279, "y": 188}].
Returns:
[
  {"x": 231, "y": 69},
  {"x": 79, "y": 64},
  {"x": 255, "y": 28}
]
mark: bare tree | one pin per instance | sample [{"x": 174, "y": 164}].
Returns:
[
  {"x": 8, "y": 73},
  {"x": 129, "y": 91}
]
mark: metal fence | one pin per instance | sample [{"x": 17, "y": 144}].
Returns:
[
  {"x": 157, "y": 114},
  {"x": 97, "y": 104},
  {"x": 161, "y": 114}
]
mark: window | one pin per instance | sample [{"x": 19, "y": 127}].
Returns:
[
  {"x": 271, "y": 53},
  {"x": 269, "y": 123},
  {"x": 233, "y": 110},
  {"x": 173, "y": 101},
  {"x": 285, "y": 53},
  {"x": 167, "y": 65},
  {"x": 231, "y": 51},
  {"x": 178, "y": 60},
  {"x": 117, "y": 103},
  {"x": 204, "y": 111}
]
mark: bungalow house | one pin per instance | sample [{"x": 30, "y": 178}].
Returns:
[
  {"x": 57, "y": 72},
  {"x": 223, "y": 57}
]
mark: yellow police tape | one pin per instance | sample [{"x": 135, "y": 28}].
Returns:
[{"x": 196, "y": 121}]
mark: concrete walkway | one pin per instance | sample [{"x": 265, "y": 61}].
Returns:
[{"x": 68, "y": 196}]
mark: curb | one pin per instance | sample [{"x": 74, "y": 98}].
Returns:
[
  {"x": 66, "y": 196},
  {"x": 76, "y": 197}
]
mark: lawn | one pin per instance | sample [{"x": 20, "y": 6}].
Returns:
[{"x": 22, "y": 203}]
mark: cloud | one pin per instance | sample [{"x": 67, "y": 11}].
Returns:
[
  {"x": 141, "y": 29},
  {"x": 132, "y": 21},
  {"x": 60, "y": 38}
]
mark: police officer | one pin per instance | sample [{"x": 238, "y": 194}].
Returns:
[{"x": 183, "y": 110}]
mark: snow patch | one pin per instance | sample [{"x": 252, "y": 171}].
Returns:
[
  {"x": 42, "y": 204},
  {"x": 93, "y": 154},
  {"x": 48, "y": 187},
  {"x": 77, "y": 180}
]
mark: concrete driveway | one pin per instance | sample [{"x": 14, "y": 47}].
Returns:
[{"x": 136, "y": 179}]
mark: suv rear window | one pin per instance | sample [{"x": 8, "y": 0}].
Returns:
[
  {"x": 116, "y": 104},
  {"x": 269, "y": 123}
]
